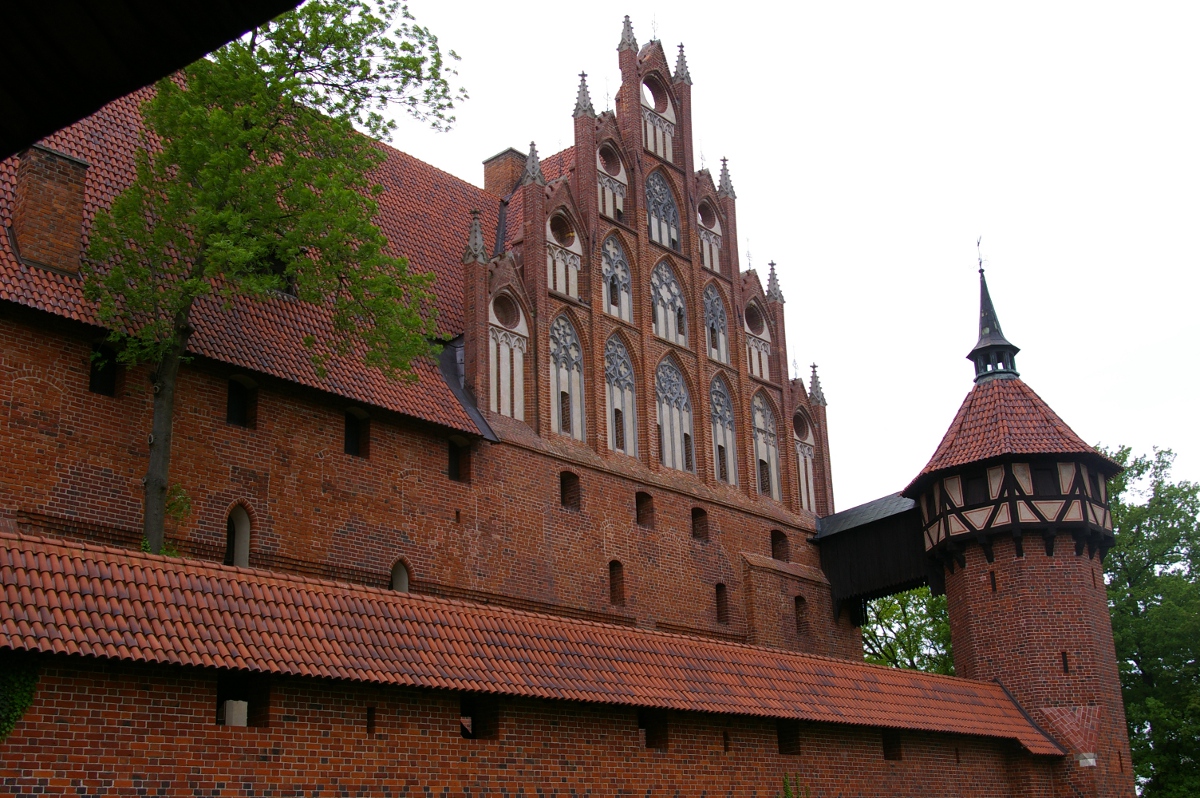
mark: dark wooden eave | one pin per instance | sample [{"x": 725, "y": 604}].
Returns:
[
  {"x": 64, "y": 60},
  {"x": 873, "y": 550}
]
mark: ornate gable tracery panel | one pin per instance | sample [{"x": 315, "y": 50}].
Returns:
[
  {"x": 670, "y": 308},
  {"x": 661, "y": 212},
  {"x": 566, "y": 379},
  {"x": 766, "y": 447},
  {"x": 621, "y": 397},
  {"x": 723, "y": 432},
  {"x": 716, "y": 325},
  {"x": 618, "y": 282},
  {"x": 674, "y": 417}
]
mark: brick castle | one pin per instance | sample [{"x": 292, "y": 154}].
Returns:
[{"x": 593, "y": 547}]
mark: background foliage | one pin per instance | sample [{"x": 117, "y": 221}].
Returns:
[{"x": 18, "y": 683}]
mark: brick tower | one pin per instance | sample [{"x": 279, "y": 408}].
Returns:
[{"x": 1014, "y": 505}]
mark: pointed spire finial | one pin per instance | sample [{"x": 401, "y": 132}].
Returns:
[
  {"x": 815, "y": 394},
  {"x": 533, "y": 168},
  {"x": 994, "y": 356},
  {"x": 681, "y": 70},
  {"x": 725, "y": 186},
  {"x": 475, "y": 252},
  {"x": 773, "y": 291},
  {"x": 583, "y": 100},
  {"x": 627, "y": 40}
]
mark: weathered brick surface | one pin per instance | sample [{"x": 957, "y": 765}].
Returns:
[
  {"x": 1045, "y": 606},
  {"x": 47, "y": 218},
  {"x": 116, "y": 729}
]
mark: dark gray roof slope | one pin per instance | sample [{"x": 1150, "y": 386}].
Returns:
[{"x": 877, "y": 510}]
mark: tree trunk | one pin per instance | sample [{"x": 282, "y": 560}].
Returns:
[{"x": 158, "y": 472}]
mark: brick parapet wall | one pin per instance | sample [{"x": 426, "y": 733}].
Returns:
[{"x": 99, "y": 728}]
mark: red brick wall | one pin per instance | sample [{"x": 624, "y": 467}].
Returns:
[
  {"x": 314, "y": 509},
  {"x": 48, "y": 213},
  {"x": 1044, "y": 606},
  {"x": 119, "y": 728}
]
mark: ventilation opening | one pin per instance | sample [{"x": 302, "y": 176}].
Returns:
[
  {"x": 401, "y": 577},
  {"x": 564, "y": 412},
  {"x": 237, "y": 537},
  {"x": 358, "y": 434},
  {"x": 800, "y": 426},
  {"x": 241, "y": 405},
  {"x": 780, "y": 547},
  {"x": 754, "y": 320},
  {"x": 458, "y": 462},
  {"x": 699, "y": 523},
  {"x": 722, "y": 595},
  {"x": 506, "y": 311},
  {"x": 561, "y": 231},
  {"x": 764, "y": 478},
  {"x": 479, "y": 718},
  {"x": 645, "y": 510},
  {"x": 726, "y": 741},
  {"x": 243, "y": 700},
  {"x": 892, "y": 748},
  {"x": 654, "y": 723},
  {"x": 975, "y": 489},
  {"x": 568, "y": 490},
  {"x": 1045, "y": 482},
  {"x": 788, "y": 734},
  {"x": 370, "y": 721},
  {"x": 957, "y": 756},
  {"x": 1066, "y": 663},
  {"x": 103, "y": 372},
  {"x": 610, "y": 160},
  {"x": 992, "y": 575},
  {"x": 722, "y": 464},
  {"x": 616, "y": 583}
]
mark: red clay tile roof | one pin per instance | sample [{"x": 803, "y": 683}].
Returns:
[
  {"x": 79, "y": 599},
  {"x": 1004, "y": 417},
  {"x": 423, "y": 211}
]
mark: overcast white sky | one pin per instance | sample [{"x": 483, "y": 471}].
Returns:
[{"x": 870, "y": 144}]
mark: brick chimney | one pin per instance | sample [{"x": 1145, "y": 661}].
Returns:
[
  {"x": 48, "y": 212},
  {"x": 502, "y": 171}
]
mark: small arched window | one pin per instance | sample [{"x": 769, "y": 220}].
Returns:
[
  {"x": 620, "y": 395},
  {"x": 661, "y": 212},
  {"x": 780, "y": 548},
  {"x": 568, "y": 490},
  {"x": 618, "y": 300},
  {"x": 508, "y": 342},
  {"x": 802, "y": 437},
  {"x": 237, "y": 537},
  {"x": 715, "y": 325},
  {"x": 566, "y": 379},
  {"x": 723, "y": 437},
  {"x": 710, "y": 237},
  {"x": 699, "y": 523},
  {"x": 644, "y": 507},
  {"x": 611, "y": 182},
  {"x": 670, "y": 309},
  {"x": 564, "y": 256},
  {"x": 400, "y": 577},
  {"x": 766, "y": 450},
  {"x": 616, "y": 584},
  {"x": 674, "y": 417}
]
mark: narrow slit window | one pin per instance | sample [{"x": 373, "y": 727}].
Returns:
[
  {"x": 616, "y": 584},
  {"x": 357, "y": 434},
  {"x": 237, "y": 537},
  {"x": 687, "y": 452},
  {"x": 722, "y": 465},
  {"x": 568, "y": 490},
  {"x": 103, "y": 372},
  {"x": 992, "y": 575},
  {"x": 654, "y": 723},
  {"x": 787, "y": 733},
  {"x": 458, "y": 461},
  {"x": 619, "y": 430},
  {"x": 893, "y": 748},
  {"x": 401, "y": 577},
  {"x": 564, "y": 412},
  {"x": 801, "y": 617},
  {"x": 722, "y": 596},
  {"x": 699, "y": 523},
  {"x": 241, "y": 404},
  {"x": 645, "y": 510},
  {"x": 371, "y": 721},
  {"x": 780, "y": 548},
  {"x": 1066, "y": 663}
]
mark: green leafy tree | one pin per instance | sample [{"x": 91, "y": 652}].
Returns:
[
  {"x": 909, "y": 630},
  {"x": 255, "y": 178},
  {"x": 1153, "y": 579}
]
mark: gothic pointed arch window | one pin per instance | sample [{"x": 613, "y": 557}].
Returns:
[
  {"x": 670, "y": 310},
  {"x": 618, "y": 299},
  {"x": 566, "y": 379},
  {"x": 716, "y": 328},
  {"x": 804, "y": 440},
  {"x": 621, "y": 397},
  {"x": 710, "y": 236},
  {"x": 674, "y": 417},
  {"x": 612, "y": 183},
  {"x": 758, "y": 341},
  {"x": 766, "y": 447},
  {"x": 564, "y": 256},
  {"x": 508, "y": 341},
  {"x": 723, "y": 435},
  {"x": 661, "y": 212}
]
